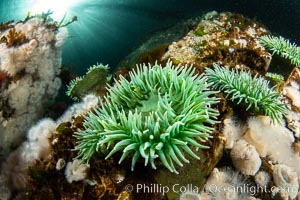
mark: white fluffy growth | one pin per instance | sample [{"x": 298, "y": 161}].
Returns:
[
  {"x": 76, "y": 109},
  {"x": 232, "y": 131},
  {"x": 76, "y": 170},
  {"x": 273, "y": 141},
  {"x": 37, "y": 147},
  {"x": 226, "y": 184},
  {"x": 245, "y": 157},
  {"x": 262, "y": 178},
  {"x": 40, "y": 134},
  {"x": 189, "y": 195},
  {"x": 35, "y": 65},
  {"x": 286, "y": 180}
]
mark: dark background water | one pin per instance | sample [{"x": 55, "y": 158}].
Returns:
[{"x": 108, "y": 30}]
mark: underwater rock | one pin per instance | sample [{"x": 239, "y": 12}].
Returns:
[
  {"x": 230, "y": 39},
  {"x": 154, "y": 48},
  {"x": 292, "y": 93},
  {"x": 293, "y": 123},
  {"x": 292, "y": 89}
]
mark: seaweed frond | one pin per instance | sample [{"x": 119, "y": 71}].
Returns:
[
  {"x": 6, "y": 25},
  {"x": 14, "y": 38},
  {"x": 49, "y": 21}
]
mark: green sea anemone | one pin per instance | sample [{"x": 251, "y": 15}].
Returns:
[
  {"x": 282, "y": 47},
  {"x": 96, "y": 76},
  {"x": 252, "y": 92},
  {"x": 161, "y": 113}
]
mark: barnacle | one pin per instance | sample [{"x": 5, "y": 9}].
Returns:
[
  {"x": 251, "y": 92},
  {"x": 96, "y": 76},
  {"x": 282, "y": 47},
  {"x": 14, "y": 38},
  {"x": 160, "y": 113}
]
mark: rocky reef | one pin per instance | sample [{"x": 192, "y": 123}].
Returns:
[{"x": 205, "y": 120}]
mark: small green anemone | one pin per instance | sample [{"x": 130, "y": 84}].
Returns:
[
  {"x": 161, "y": 113},
  {"x": 282, "y": 47},
  {"x": 96, "y": 76},
  {"x": 253, "y": 93}
]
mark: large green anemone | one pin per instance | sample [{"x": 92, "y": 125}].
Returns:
[{"x": 161, "y": 113}]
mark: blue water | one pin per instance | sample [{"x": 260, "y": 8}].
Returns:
[{"x": 108, "y": 30}]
